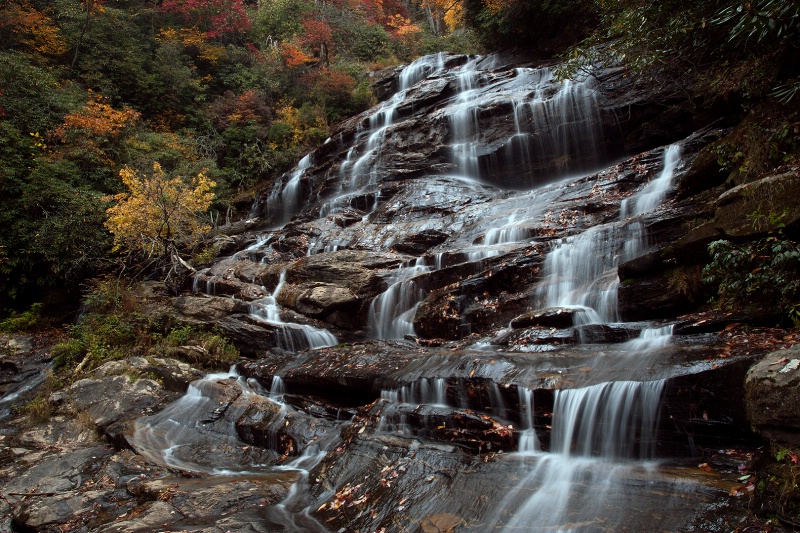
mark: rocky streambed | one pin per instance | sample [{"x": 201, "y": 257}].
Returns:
[{"x": 475, "y": 307}]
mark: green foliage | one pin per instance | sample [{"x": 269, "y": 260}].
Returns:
[
  {"x": 763, "y": 273},
  {"x": 25, "y": 321},
  {"x": 759, "y": 20},
  {"x": 38, "y": 410},
  {"x": 33, "y": 97},
  {"x": 206, "y": 349},
  {"x": 722, "y": 46},
  {"x": 113, "y": 327},
  {"x": 278, "y": 20},
  {"x": 767, "y": 138}
]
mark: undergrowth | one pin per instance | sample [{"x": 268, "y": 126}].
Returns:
[{"x": 115, "y": 326}]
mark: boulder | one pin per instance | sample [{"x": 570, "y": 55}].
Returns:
[
  {"x": 419, "y": 243},
  {"x": 318, "y": 299},
  {"x": 119, "y": 392},
  {"x": 754, "y": 208},
  {"x": 772, "y": 396},
  {"x": 205, "y": 309},
  {"x": 354, "y": 270}
]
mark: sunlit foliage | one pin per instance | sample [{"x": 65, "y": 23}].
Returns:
[{"x": 158, "y": 211}]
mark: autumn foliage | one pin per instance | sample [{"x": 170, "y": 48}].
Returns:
[
  {"x": 91, "y": 133},
  {"x": 23, "y": 26},
  {"x": 158, "y": 211},
  {"x": 218, "y": 18},
  {"x": 232, "y": 92}
]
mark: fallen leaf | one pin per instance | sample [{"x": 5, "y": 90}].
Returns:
[{"x": 781, "y": 361}]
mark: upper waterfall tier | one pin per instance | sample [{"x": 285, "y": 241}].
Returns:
[{"x": 510, "y": 126}]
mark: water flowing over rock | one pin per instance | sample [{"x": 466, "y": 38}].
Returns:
[
  {"x": 466, "y": 235},
  {"x": 448, "y": 312}
]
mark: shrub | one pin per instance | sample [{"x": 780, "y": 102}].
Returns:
[
  {"x": 764, "y": 272},
  {"x": 25, "y": 321}
]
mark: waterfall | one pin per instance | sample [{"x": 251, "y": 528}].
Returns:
[
  {"x": 193, "y": 432},
  {"x": 289, "y": 337},
  {"x": 359, "y": 170},
  {"x": 581, "y": 271},
  {"x": 391, "y": 313},
  {"x": 420, "y": 69},
  {"x": 549, "y": 118},
  {"x": 655, "y": 191},
  {"x": 285, "y": 200},
  {"x": 528, "y": 441},
  {"x": 429, "y": 391},
  {"x": 574, "y": 457},
  {"x": 602, "y": 432},
  {"x": 614, "y": 420}
]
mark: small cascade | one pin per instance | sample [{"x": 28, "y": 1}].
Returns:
[
  {"x": 195, "y": 433},
  {"x": 528, "y": 441},
  {"x": 364, "y": 171},
  {"x": 286, "y": 200},
  {"x": 651, "y": 338},
  {"x": 421, "y": 68},
  {"x": 289, "y": 337},
  {"x": 429, "y": 391},
  {"x": 614, "y": 420},
  {"x": 581, "y": 272},
  {"x": 359, "y": 170},
  {"x": 550, "y": 117},
  {"x": 391, "y": 313},
  {"x": 202, "y": 283},
  {"x": 277, "y": 389},
  {"x": 511, "y": 232},
  {"x": 250, "y": 252},
  {"x": 419, "y": 408},
  {"x": 656, "y": 190},
  {"x": 464, "y": 122}
]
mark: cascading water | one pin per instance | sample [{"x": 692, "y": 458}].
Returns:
[
  {"x": 391, "y": 313},
  {"x": 600, "y": 433},
  {"x": 603, "y": 427},
  {"x": 581, "y": 271},
  {"x": 290, "y": 337},
  {"x": 358, "y": 172},
  {"x": 284, "y": 201},
  {"x": 655, "y": 191},
  {"x": 192, "y": 434},
  {"x": 549, "y": 117}
]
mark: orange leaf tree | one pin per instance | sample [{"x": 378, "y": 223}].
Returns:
[
  {"x": 24, "y": 27},
  {"x": 93, "y": 136}
]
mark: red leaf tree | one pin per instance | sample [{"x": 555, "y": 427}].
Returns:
[{"x": 218, "y": 18}]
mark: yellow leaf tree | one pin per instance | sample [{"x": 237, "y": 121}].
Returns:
[{"x": 159, "y": 212}]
